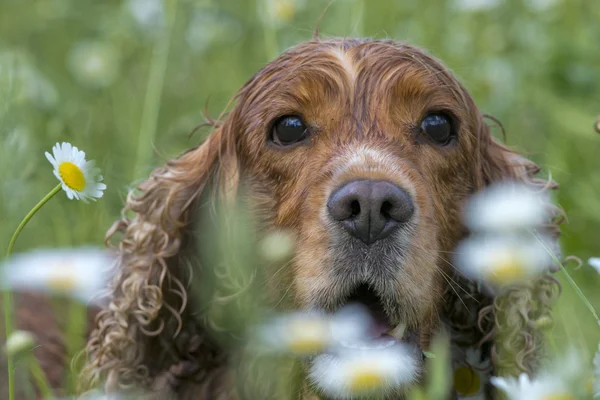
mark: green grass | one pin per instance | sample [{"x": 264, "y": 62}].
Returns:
[{"x": 536, "y": 70}]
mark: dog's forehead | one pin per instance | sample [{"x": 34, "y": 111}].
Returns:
[{"x": 349, "y": 69}]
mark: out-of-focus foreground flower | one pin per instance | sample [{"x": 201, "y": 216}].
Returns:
[
  {"x": 502, "y": 260},
  {"x": 505, "y": 207},
  {"x": 19, "y": 341},
  {"x": 310, "y": 333},
  {"x": 505, "y": 247},
  {"x": 372, "y": 369},
  {"x": 79, "y": 273},
  {"x": 543, "y": 388},
  {"x": 80, "y": 178},
  {"x": 595, "y": 263}
]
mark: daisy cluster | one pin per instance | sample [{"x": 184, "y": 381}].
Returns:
[
  {"x": 505, "y": 246},
  {"x": 344, "y": 361}
]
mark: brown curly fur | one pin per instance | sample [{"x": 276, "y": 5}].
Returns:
[{"x": 155, "y": 334}]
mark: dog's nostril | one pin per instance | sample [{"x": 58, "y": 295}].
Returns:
[
  {"x": 386, "y": 207},
  {"x": 355, "y": 208}
]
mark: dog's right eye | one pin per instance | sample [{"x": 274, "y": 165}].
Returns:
[{"x": 288, "y": 130}]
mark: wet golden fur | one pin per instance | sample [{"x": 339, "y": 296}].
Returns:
[{"x": 363, "y": 100}]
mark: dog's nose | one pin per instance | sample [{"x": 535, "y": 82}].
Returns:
[{"x": 370, "y": 210}]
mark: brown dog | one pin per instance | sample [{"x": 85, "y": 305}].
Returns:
[{"x": 366, "y": 151}]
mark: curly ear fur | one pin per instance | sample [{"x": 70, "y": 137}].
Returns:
[
  {"x": 510, "y": 327},
  {"x": 147, "y": 327}
]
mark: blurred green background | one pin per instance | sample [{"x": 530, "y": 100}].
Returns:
[{"x": 127, "y": 81}]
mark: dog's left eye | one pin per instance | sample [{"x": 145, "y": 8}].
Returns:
[
  {"x": 288, "y": 130},
  {"x": 438, "y": 127}
]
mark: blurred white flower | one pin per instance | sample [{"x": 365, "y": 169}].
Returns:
[
  {"x": 502, "y": 260},
  {"x": 147, "y": 13},
  {"x": 469, "y": 378},
  {"x": 299, "y": 333},
  {"x": 279, "y": 12},
  {"x": 350, "y": 324},
  {"x": 505, "y": 207},
  {"x": 277, "y": 246},
  {"x": 309, "y": 333},
  {"x": 476, "y": 5},
  {"x": 364, "y": 371},
  {"x": 94, "y": 64},
  {"x": 211, "y": 27},
  {"x": 80, "y": 178},
  {"x": 80, "y": 273},
  {"x": 595, "y": 263},
  {"x": 544, "y": 388},
  {"x": 596, "y": 385},
  {"x": 19, "y": 341}
]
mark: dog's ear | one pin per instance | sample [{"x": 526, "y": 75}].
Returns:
[
  {"x": 521, "y": 314},
  {"x": 141, "y": 329}
]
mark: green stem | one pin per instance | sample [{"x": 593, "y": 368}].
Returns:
[
  {"x": 40, "y": 378},
  {"x": 574, "y": 285},
  {"x": 31, "y": 213},
  {"x": 75, "y": 332},
  {"x": 158, "y": 69},
  {"x": 7, "y": 293}
]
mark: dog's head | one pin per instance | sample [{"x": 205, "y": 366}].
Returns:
[{"x": 366, "y": 151}]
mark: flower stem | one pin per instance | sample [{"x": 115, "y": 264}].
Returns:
[
  {"x": 8, "y": 294},
  {"x": 31, "y": 213}
]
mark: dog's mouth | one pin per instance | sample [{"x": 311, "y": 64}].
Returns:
[{"x": 381, "y": 329}]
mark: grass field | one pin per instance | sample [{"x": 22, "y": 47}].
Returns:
[{"x": 127, "y": 81}]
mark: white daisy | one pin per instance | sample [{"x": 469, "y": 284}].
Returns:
[
  {"x": 506, "y": 206},
  {"x": 364, "y": 371},
  {"x": 595, "y": 263},
  {"x": 80, "y": 273},
  {"x": 502, "y": 260},
  {"x": 301, "y": 333},
  {"x": 80, "y": 178},
  {"x": 19, "y": 341},
  {"x": 544, "y": 388},
  {"x": 309, "y": 333}
]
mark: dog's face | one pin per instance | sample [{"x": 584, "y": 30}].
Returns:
[{"x": 365, "y": 152}]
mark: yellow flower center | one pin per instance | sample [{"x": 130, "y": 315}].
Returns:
[
  {"x": 365, "y": 379},
  {"x": 307, "y": 337},
  {"x": 558, "y": 397},
  {"x": 61, "y": 283},
  {"x": 72, "y": 176},
  {"x": 506, "y": 269},
  {"x": 466, "y": 381},
  {"x": 285, "y": 10}
]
